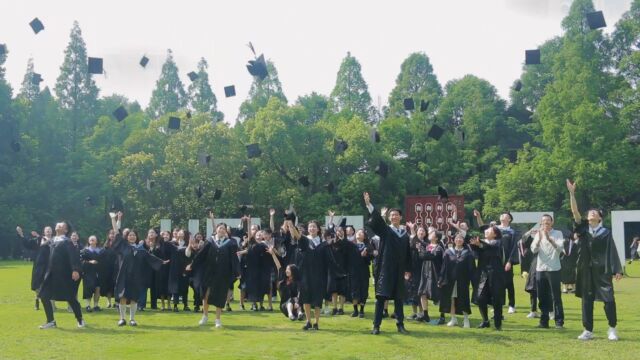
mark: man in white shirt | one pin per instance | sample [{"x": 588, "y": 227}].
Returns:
[{"x": 548, "y": 244}]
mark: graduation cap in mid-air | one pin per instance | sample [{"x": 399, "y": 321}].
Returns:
[
  {"x": 595, "y": 20},
  {"x": 95, "y": 65},
  {"x": 3, "y": 49},
  {"x": 424, "y": 105},
  {"x": 382, "y": 169},
  {"x": 442, "y": 193},
  {"x": 532, "y": 57},
  {"x": 435, "y": 132},
  {"x": 36, "y": 25},
  {"x": 36, "y": 79},
  {"x": 217, "y": 194},
  {"x": 409, "y": 105},
  {"x": 375, "y": 136},
  {"x": 174, "y": 123},
  {"x": 193, "y": 76},
  {"x": 518, "y": 86},
  {"x": 229, "y": 91},
  {"x": 120, "y": 113},
  {"x": 257, "y": 67},
  {"x": 331, "y": 187},
  {"x": 144, "y": 61},
  {"x": 188, "y": 114},
  {"x": 340, "y": 146},
  {"x": 253, "y": 151},
  {"x": 304, "y": 181},
  {"x": 199, "y": 191}
]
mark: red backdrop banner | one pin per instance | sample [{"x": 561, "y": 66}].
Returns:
[{"x": 430, "y": 210}]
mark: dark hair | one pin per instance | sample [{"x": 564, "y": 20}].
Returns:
[
  {"x": 328, "y": 234},
  {"x": 599, "y": 211},
  {"x": 314, "y": 222},
  {"x": 496, "y": 231},
  {"x": 549, "y": 216},
  {"x": 510, "y": 216},
  {"x": 295, "y": 272},
  {"x": 68, "y": 226},
  {"x": 134, "y": 233},
  {"x": 394, "y": 209},
  {"x": 267, "y": 230}
]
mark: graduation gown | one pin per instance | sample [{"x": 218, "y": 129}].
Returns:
[
  {"x": 259, "y": 264},
  {"x": 161, "y": 276},
  {"x": 342, "y": 251},
  {"x": 490, "y": 288},
  {"x": 40, "y": 261},
  {"x": 416, "y": 272},
  {"x": 315, "y": 263},
  {"x": 218, "y": 266},
  {"x": 568, "y": 261},
  {"x": 106, "y": 271},
  {"x": 178, "y": 281},
  {"x": 132, "y": 269},
  {"x": 289, "y": 293},
  {"x": 458, "y": 267},
  {"x": 360, "y": 273},
  {"x": 597, "y": 262},
  {"x": 431, "y": 258},
  {"x": 529, "y": 262},
  {"x": 64, "y": 259},
  {"x": 90, "y": 273},
  {"x": 393, "y": 260}
]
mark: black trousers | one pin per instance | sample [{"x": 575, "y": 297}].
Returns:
[
  {"x": 398, "y": 309},
  {"x": 509, "y": 288},
  {"x": 48, "y": 309},
  {"x": 549, "y": 294},
  {"x": 587, "y": 313},
  {"x": 533, "y": 298}
]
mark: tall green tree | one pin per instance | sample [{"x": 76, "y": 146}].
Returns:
[
  {"x": 29, "y": 89},
  {"x": 416, "y": 81},
  {"x": 201, "y": 96},
  {"x": 75, "y": 90},
  {"x": 169, "y": 95},
  {"x": 351, "y": 93}
]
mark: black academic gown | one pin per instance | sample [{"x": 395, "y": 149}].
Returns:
[
  {"x": 490, "y": 288},
  {"x": 431, "y": 265},
  {"x": 342, "y": 251},
  {"x": 132, "y": 270},
  {"x": 568, "y": 261},
  {"x": 598, "y": 261},
  {"x": 64, "y": 259},
  {"x": 106, "y": 271},
  {"x": 161, "y": 277},
  {"x": 416, "y": 272},
  {"x": 178, "y": 282},
  {"x": 393, "y": 260},
  {"x": 90, "y": 273},
  {"x": 218, "y": 266},
  {"x": 360, "y": 274},
  {"x": 528, "y": 262},
  {"x": 458, "y": 267},
  {"x": 40, "y": 261},
  {"x": 315, "y": 264},
  {"x": 259, "y": 264}
]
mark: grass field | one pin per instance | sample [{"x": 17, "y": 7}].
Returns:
[{"x": 248, "y": 335}]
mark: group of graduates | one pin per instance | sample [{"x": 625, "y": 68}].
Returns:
[{"x": 309, "y": 266}]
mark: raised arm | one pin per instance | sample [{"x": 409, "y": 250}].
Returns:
[
  {"x": 574, "y": 204},
  {"x": 478, "y": 217},
  {"x": 272, "y": 223}
]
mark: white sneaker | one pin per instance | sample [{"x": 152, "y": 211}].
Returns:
[
  {"x": 49, "y": 325},
  {"x": 82, "y": 324},
  {"x": 532, "y": 315},
  {"x": 512, "y": 310},
  {"x": 612, "y": 334},
  {"x": 204, "y": 320},
  {"x": 453, "y": 322},
  {"x": 218, "y": 324},
  {"x": 467, "y": 323},
  {"x": 586, "y": 335}
]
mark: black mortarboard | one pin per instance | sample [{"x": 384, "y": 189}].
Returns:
[
  {"x": 15, "y": 146},
  {"x": 217, "y": 194},
  {"x": 204, "y": 159},
  {"x": 120, "y": 113},
  {"x": 258, "y": 67},
  {"x": 95, "y": 66},
  {"x": 246, "y": 173},
  {"x": 304, "y": 181},
  {"x": 532, "y": 57},
  {"x": 343, "y": 223},
  {"x": 375, "y": 136},
  {"x": 424, "y": 105},
  {"x": 518, "y": 86},
  {"x": 144, "y": 61},
  {"x": 290, "y": 215},
  {"x": 36, "y": 25},
  {"x": 188, "y": 114},
  {"x": 435, "y": 132},
  {"x": 253, "y": 151},
  {"x": 513, "y": 155},
  {"x": 36, "y": 79},
  {"x": 331, "y": 188},
  {"x": 340, "y": 146},
  {"x": 443, "y": 193},
  {"x": 229, "y": 91},
  {"x": 174, "y": 123},
  {"x": 3, "y": 49},
  {"x": 193, "y": 76},
  {"x": 595, "y": 20},
  {"x": 199, "y": 191},
  {"x": 409, "y": 105},
  {"x": 382, "y": 169}
]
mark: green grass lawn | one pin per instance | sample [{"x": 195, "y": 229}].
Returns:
[{"x": 248, "y": 335}]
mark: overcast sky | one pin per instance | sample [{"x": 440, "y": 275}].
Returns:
[{"x": 305, "y": 39}]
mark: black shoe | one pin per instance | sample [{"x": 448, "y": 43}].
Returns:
[
  {"x": 361, "y": 315},
  {"x": 154, "y": 307},
  {"x": 307, "y": 326},
  {"x": 186, "y": 308},
  {"x": 401, "y": 329},
  {"x": 262, "y": 308},
  {"x": 426, "y": 319},
  {"x": 133, "y": 323},
  {"x": 441, "y": 321},
  {"x": 543, "y": 326},
  {"x": 385, "y": 313},
  {"x": 242, "y": 307},
  {"x": 122, "y": 322},
  {"x": 88, "y": 309},
  {"x": 175, "y": 309},
  {"x": 393, "y": 316},
  {"x": 413, "y": 317},
  {"x": 341, "y": 312},
  {"x": 484, "y": 325},
  {"x": 196, "y": 309},
  {"x": 315, "y": 326},
  {"x": 354, "y": 314},
  {"x": 375, "y": 331},
  {"x": 97, "y": 308},
  {"x": 334, "y": 312},
  {"x": 498, "y": 328}
]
